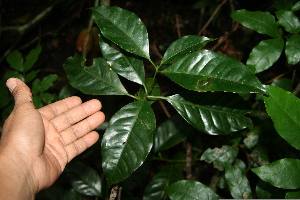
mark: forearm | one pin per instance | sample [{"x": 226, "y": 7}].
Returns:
[{"x": 14, "y": 181}]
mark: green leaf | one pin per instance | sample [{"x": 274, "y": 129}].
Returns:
[
  {"x": 283, "y": 173},
  {"x": 189, "y": 190},
  {"x": 213, "y": 112},
  {"x": 261, "y": 154},
  {"x": 15, "y": 60},
  {"x": 31, "y": 75},
  {"x": 237, "y": 182},
  {"x": 66, "y": 91},
  {"x": 296, "y": 6},
  {"x": 127, "y": 140},
  {"x": 84, "y": 179},
  {"x": 129, "y": 67},
  {"x": 288, "y": 20},
  {"x": 47, "y": 82},
  {"x": 97, "y": 79},
  {"x": 263, "y": 189},
  {"x": 31, "y": 58},
  {"x": 252, "y": 138},
  {"x": 292, "y": 49},
  {"x": 283, "y": 108},
  {"x": 220, "y": 156},
  {"x": 262, "y": 22},
  {"x": 37, "y": 101},
  {"x": 171, "y": 132},
  {"x": 123, "y": 28},
  {"x": 209, "y": 71},
  {"x": 156, "y": 188},
  {"x": 183, "y": 46},
  {"x": 13, "y": 74},
  {"x": 293, "y": 195},
  {"x": 265, "y": 54},
  {"x": 36, "y": 86}
]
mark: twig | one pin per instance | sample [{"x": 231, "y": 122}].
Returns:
[
  {"x": 113, "y": 193},
  {"x": 88, "y": 34},
  {"x": 224, "y": 37},
  {"x": 188, "y": 161},
  {"x": 178, "y": 26},
  {"x": 212, "y": 16},
  {"x": 161, "y": 103},
  {"x": 155, "y": 50}
]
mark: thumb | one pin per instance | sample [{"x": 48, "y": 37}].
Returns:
[{"x": 20, "y": 90}]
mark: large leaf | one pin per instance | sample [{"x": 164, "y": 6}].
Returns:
[
  {"x": 288, "y": 20},
  {"x": 190, "y": 190},
  {"x": 283, "y": 173},
  {"x": 265, "y": 54},
  {"x": 127, "y": 140},
  {"x": 262, "y": 22},
  {"x": 214, "y": 112},
  {"x": 156, "y": 188},
  {"x": 129, "y": 67},
  {"x": 292, "y": 49},
  {"x": 184, "y": 46},
  {"x": 123, "y": 28},
  {"x": 283, "y": 107},
  {"x": 237, "y": 182},
  {"x": 171, "y": 132},
  {"x": 97, "y": 79},
  {"x": 209, "y": 71},
  {"x": 293, "y": 195},
  {"x": 83, "y": 178},
  {"x": 220, "y": 156}
]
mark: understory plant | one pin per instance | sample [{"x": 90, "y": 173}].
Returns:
[{"x": 248, "y": 131}]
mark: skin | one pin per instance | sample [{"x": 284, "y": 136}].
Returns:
[{"x": 36, "y": 144}]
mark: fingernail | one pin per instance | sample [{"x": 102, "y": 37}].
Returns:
[{"x": 11, "y": 84}]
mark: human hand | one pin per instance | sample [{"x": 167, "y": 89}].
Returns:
[{"x": 36, "y": 144}]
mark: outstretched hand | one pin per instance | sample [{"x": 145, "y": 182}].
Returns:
[{"x": 36, "y": 144}]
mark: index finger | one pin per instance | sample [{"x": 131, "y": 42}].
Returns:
[{"x": 52, "y": 110}]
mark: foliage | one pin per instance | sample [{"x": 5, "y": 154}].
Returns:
[
  {"x": 214, "y": 98},
  {"x": 23, "y": 69}
]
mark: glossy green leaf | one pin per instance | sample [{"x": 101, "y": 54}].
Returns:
[
  {"x": 127, "y": 140},
  {"x": 47, "y": 98},
  {"x": 171, "y": 132},
  {"x": 83, "y": 178},
  {"x": 252, "y": 137},
  {"x": 97, "y": 79},
  {"x": 283, "y": 108},
  {"x": 47, "y": 82},
  {"x": 129, "y": 67},
  {"x": 14, "y": 74},
  {"x": 123, "y": 28},
  {"x": 292, "y": 49},
  {"x": 190, "y": 190},
  {"x": 238, "y": 163},
  {"x": 212, "y": 112},
  {"x": 293, "y": 195},
  {"x": 296, "y": 6},
  {"x": 283, "y": 173},
  {"x": 15, "y": 60},
  {"x": 31, "y": 58},
  {"x": 220, "y": 156},
  {"x": 209, "y": 71},
  {"x": 183, "y": 46},
  {"x": 288, "y": 20},
  {"x": 262, "y": 22},
  {"x": 156, "y": 188},
  {"x": 265, "y": 54},
  {"x": 237, "y": 182}
]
